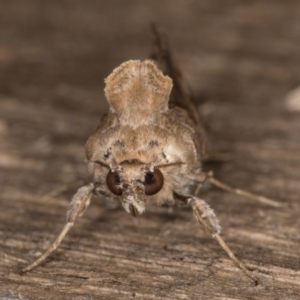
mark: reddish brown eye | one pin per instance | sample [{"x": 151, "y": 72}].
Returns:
[
  {"x": 154, "y": 181},
  {"x": 113, "y": 182}
]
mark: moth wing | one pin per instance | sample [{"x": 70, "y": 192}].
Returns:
[{"x": 181, "y": 94}]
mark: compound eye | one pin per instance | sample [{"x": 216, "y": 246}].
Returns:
[
  {"x": 113, "y": 183},
  {"x": 154, "y": 182}
]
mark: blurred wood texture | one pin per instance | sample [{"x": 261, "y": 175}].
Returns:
[{"x": 241, "y": 57}]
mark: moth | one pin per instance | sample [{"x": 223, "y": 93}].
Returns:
[{"x": 146, "y": 152}]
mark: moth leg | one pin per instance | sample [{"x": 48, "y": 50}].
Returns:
[
  {"x": 198, "y": 188},
  {"x": 206, "y": 217},
  {"x": 201, "y": 177},
  {"x": 239, "y": 192},
  {"x": 60, "y": 190},
  {"x": 78, "y": 205}
]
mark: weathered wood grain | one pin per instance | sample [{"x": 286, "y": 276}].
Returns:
[{"x": 242, "y": 56}]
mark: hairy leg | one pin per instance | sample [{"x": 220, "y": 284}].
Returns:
[
  {"x": 206, "y": 217},
  {"x": 78, "y": 205}
]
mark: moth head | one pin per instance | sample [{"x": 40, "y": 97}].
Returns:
[{"x": 133, "y": 182}]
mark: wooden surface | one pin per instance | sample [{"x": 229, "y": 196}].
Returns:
[{"x": 241, "y": 56}]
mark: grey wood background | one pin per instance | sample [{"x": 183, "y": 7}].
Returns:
[{"x": 241, "y": 57}]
